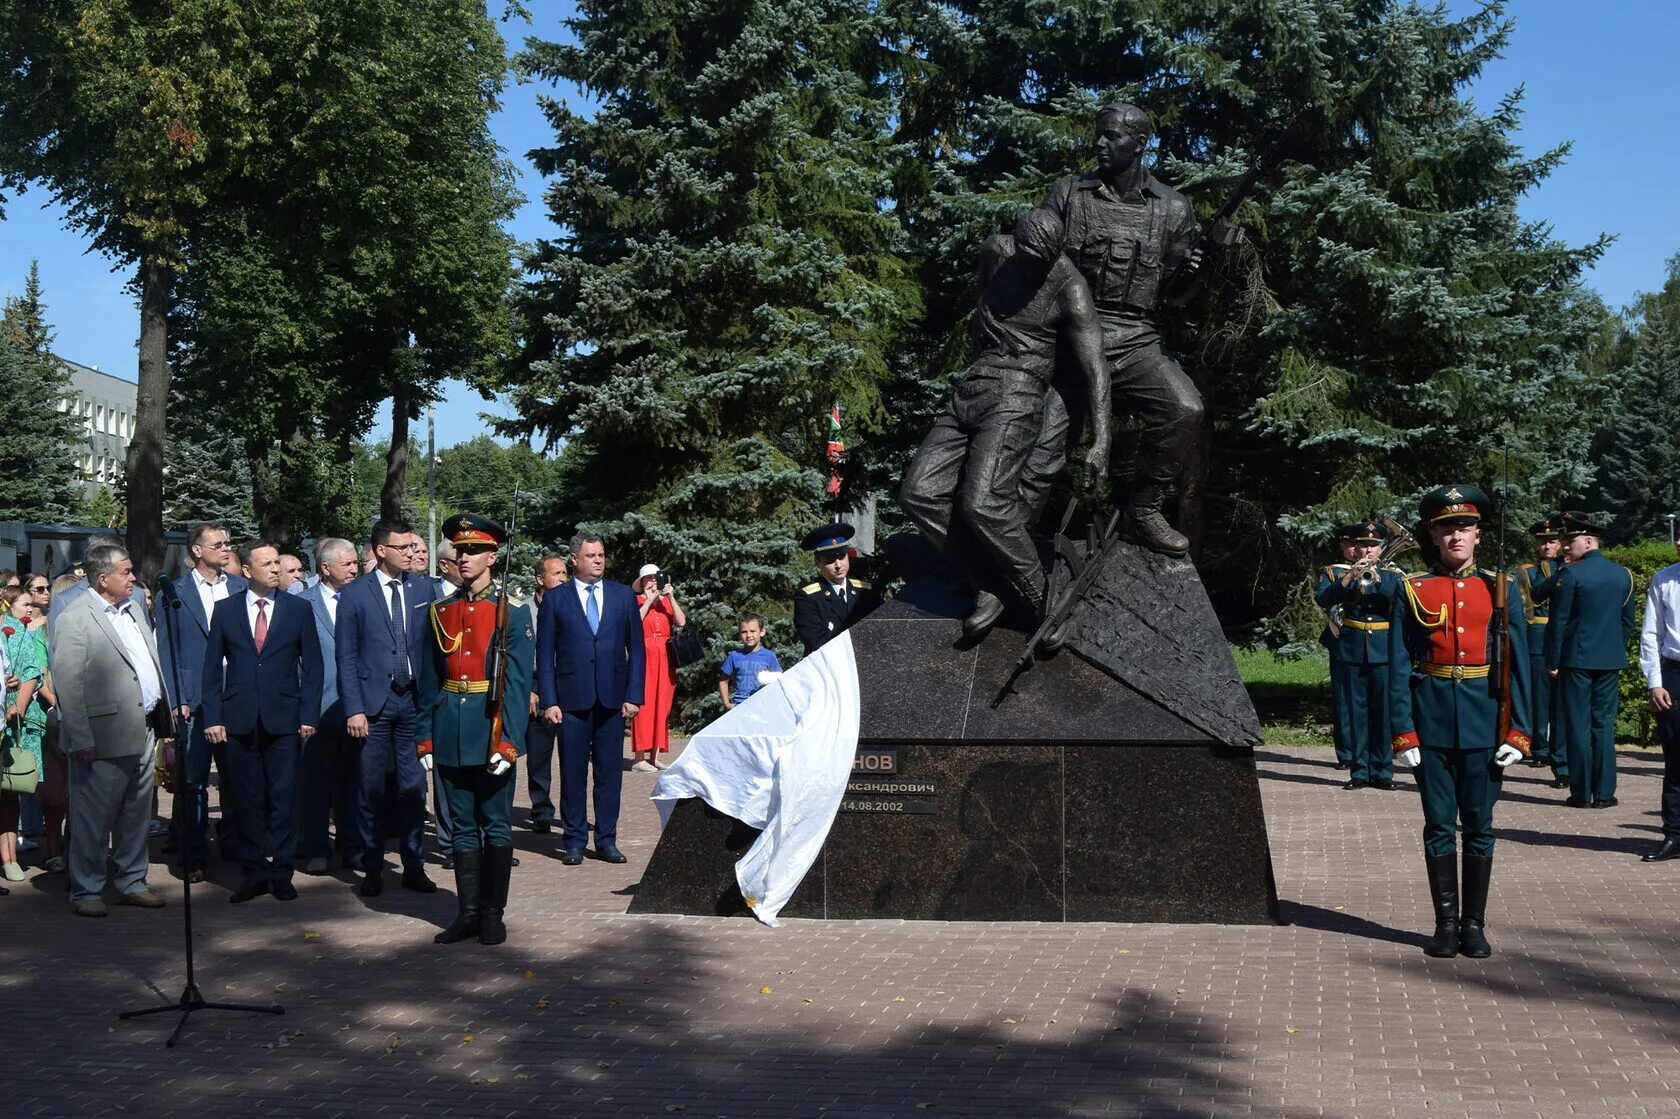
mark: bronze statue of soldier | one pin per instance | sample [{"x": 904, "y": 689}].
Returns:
[
  {"x": 1129, "y": 235},
  {"x": 964, "y": 487}
]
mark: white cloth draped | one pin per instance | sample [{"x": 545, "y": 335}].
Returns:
[{"x": 778, "y": 762}]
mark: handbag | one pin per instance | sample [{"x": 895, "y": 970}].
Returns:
[
  {"x": 685, "y": 648},
  {"x": 18, "y": 771}
]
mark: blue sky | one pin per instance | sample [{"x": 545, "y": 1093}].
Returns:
[{"x": 1602, "y": 76}]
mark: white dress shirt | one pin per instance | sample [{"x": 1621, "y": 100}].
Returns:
[
  {"x": 134, "y": 644},
  {"x": 210, "y": 593},
  {"x": 583, "y": 596},
  {"x": 330, "y": 597},
  {"x": 1659, "y": 634},
  {"x": 251, "y": 600}
]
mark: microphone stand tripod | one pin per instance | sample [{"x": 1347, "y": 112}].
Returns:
[{"x": 191, "y": 998}]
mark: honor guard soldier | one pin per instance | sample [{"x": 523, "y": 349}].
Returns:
[
  {"x": 472, "y": 638},
  {"x": 1365, "y": 596},
  {"x": 1538, "y": 582},
  {"x": 830, "y": 606},
  {"x": 1448, "y": 705},
  {"x": 1586, "y": 649}
]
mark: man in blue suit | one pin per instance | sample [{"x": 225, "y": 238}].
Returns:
[
  {"x": 380, "y": 620},
  {"x": 182, "y": 617},
  {"x": 590, "y": 671},
  {"x": 326, "y": 781},
  {"x": 262, "y": 696}
]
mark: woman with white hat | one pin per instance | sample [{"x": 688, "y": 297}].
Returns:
[{"x": 650, "y": 731}]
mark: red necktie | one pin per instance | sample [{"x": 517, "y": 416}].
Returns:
[{"x": 261, "y": 633}]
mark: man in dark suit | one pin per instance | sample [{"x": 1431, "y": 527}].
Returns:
[
  {"x": 262, "y": 696},
  {"x": 326, "y": 783},
  {"x": 590, "y": 671},
  {"x": 835, "y": 602},
  {"x": 542, "y": 737},
  {"x": 182, "y": 618},
  {"x": 1586, "y": 649},
  {"x": 380, "y": 618}
]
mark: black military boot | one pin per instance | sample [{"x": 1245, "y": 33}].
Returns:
[
  {"x": 988, "y": 608},
  {"x": 469, "y": 867},
  {"x": 498, "y": 868},
  {"x": 1443, "y": 891},
  {"x": 1478, "y": 869},
  {"x": 1145, "y": 523}
]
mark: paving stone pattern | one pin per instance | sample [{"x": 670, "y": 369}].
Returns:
[{"x": 590, "y": 1012}]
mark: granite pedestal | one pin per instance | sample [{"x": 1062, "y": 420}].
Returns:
[{"x": 1114, "y": 782}]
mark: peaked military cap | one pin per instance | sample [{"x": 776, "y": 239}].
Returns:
[
  {"x": 1546, "y": 528},
  {"x": 1573, "y": 522},
  {"x": 1458, "y": 504},
  {"x": 1362, "y": 532},
  {"x": 470, "y": 528},
  {"x": 829, "y": 538}
]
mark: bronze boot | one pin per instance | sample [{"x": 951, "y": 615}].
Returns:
[{"x": 1146, "y": 524}]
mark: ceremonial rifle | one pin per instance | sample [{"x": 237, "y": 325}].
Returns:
[
  {"x": 1502, "y": 652},
  {"x": 498, "y": 640},
  {"x": 1180, "y": 287}
]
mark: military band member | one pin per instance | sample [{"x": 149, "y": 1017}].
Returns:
[
  {"x": 1538, "y": 582},
  {"x": 1359, "y": 652},
  {"x": 454, "y": 723},
  {"x": 830, "y": 605},
  {"x": 1446, "y": 710},
  {"x": 1586, "y": 650}
]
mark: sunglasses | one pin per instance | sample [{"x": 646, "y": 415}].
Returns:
[{"x": 36, "y": 588}]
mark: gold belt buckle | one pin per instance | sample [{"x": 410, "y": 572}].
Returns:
[{"x": 1458, "y": 672}]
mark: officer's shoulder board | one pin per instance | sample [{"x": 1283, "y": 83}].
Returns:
[
  {"x": 811, "y": 588},
  {"x": 1333, "y": 570},
  {"x": 859, "y": 584}
]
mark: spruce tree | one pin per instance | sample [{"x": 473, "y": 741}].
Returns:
[
  {"x": 723, "y": 274},
  {"x": 40, "y": 479},
  {"x": 1639, "y": 485}
]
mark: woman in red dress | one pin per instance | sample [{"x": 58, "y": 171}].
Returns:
[{"x": 650, "y": 731}]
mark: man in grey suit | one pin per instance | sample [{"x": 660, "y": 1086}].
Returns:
[
  {"x": 327, "y": 773},
  {"x": 111, "y": 696}
]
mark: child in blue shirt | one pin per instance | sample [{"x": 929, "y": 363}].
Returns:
[{"x": 742, "y": 666}]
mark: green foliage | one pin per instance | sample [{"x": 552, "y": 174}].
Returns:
[
  {"x": 1639, "y": 484},
  {"x": 1290, "y": 694},
  {"x": 725, "y": 272},
  {"x": 104, "y": 509},
  {"x": 40, "y": 479},
  {"x": 207, "y": 478}
]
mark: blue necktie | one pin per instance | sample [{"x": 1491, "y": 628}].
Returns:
[
  {"x": 402, "y": 677},
  {"x": 592, "y": 611}
]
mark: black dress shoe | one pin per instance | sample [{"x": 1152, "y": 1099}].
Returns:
[
  {"x": 285, "y": 891},
  {"x": 1608, "y": 802},
  {"x": 609, "y": 852},
  {"x": 373, "y": 884},
  {"x": 572, "y": 855},
  {"x": 1386, "y": 784},
  {"x": 1669, "y": 848},
  {"x": 415, "y": 879},
  {"x": 252, "y": 890},
  {"x": 541, "y": 827},
  {"x": 1558, "y": 783},
  {"x": 1577, "y": 802},
  {"x": 1356, "y": 783},
  {"x": 449, "y": 862},
  {"x": 1342, "y": 765}
]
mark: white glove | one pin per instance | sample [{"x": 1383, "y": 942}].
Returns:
[
  {"x": 1410, "y": 758},
  {"x": 498, "y": 765},
  {"x": 1505, "y": 755},
  {"x": 426, "y": 762}
]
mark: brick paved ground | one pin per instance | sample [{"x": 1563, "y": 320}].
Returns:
[{"x": 590, "y": 1012}]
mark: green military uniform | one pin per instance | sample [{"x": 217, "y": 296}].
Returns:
[
  {"x": 454, "y": 723},
  {"x": 1587, "y": 638},
  {"x": 1446, "y": 703},
  {"x": 1538, "y": 582},
  {"x": 1359, "y": 662},
  {"x": 822, "y": 612}
]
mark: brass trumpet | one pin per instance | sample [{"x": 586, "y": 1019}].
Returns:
[{"x": 1399, "y": 542}]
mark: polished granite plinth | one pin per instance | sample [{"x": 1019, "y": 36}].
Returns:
[{"x": 1113, "y": 782}]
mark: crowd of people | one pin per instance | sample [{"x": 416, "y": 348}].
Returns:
[
  {"x": 326, "y": 711},
  {"x": 1459, "y": 672}
]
